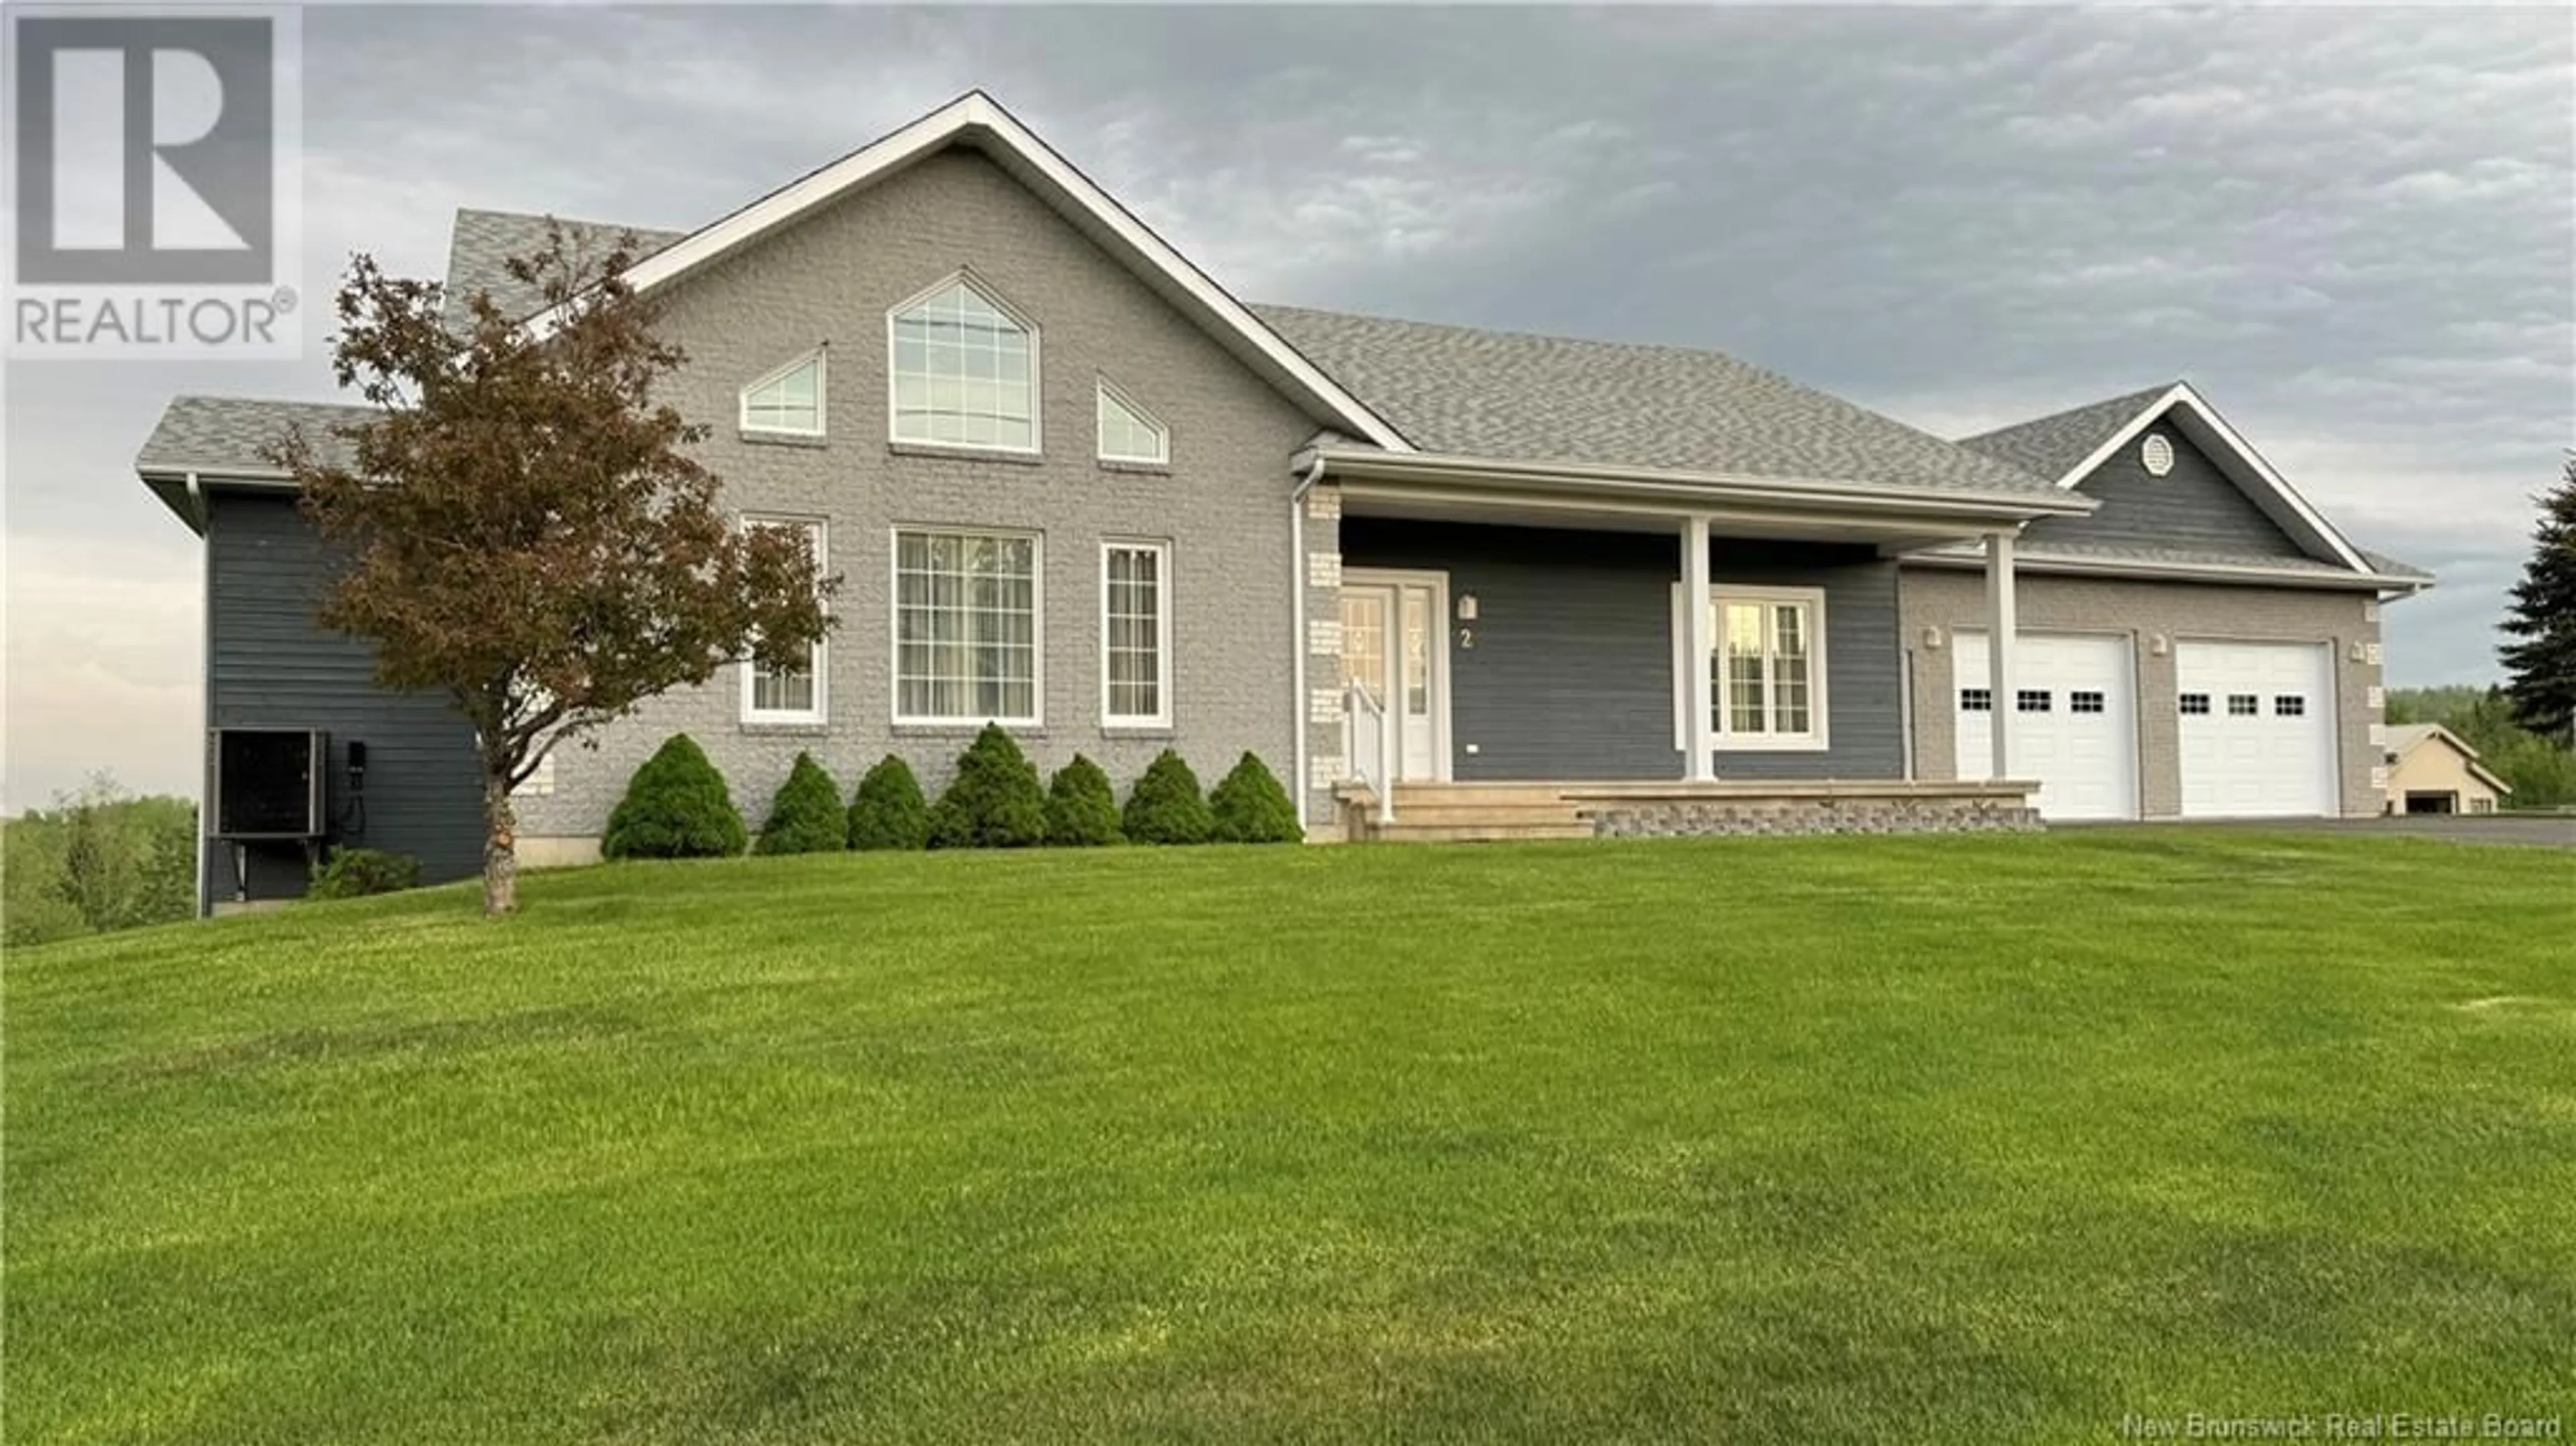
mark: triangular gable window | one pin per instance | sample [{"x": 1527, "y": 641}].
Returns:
[
  {"x": 788, "y": 400},
  {"x": 1126, "y": 433}
]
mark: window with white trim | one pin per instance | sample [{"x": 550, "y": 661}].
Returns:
[
  {"x": 1127, "y": 434},
  {"x": 964, "y": 371},
  {"x": 792, "y": 694},
  {"x": 1767, "y": 666},
  {"x": 1976, "y": 700},
  {"x": 1135, "y": 634},
  {"x": 966, "y": 626},
  {"x": 788, "y": 401}
]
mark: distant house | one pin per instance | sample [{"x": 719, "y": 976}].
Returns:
[
  {"x": 1435, "y": 575},
  {"x": 2430, "y": 770}
]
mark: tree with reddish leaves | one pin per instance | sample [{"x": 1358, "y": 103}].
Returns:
[{"x": 524, "y": 525}]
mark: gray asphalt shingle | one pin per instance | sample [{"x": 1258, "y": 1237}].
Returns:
[
  {"x": 221, "y": 435},
  {"x": 2050, "y": 446},
  {"x": 482, "y": 243},
  {"x": 1524, "y": 397}
]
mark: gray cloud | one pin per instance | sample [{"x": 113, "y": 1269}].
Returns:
[{"x": 2354, "y": 230}]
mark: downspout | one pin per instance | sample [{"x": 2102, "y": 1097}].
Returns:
[
  {"x": 1905, "y": 712},
  {"x": 205, "y": 677},
  {"x": 1297, "y": 623}
]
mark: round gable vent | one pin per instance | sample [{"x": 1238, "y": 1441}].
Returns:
[{"x": 2158, "y": 455}]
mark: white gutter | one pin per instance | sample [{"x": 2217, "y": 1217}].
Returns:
[
  {"x": 205, "y": 687},
  {"x": 2188, "y": 572},
  {"x": 1297, "y": 625},
  {"x": 1701, "y": 488}
]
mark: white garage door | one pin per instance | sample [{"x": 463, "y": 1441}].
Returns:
[
  {"x": 2257, "y": 729},
  {"x": 2074, "y": 726}
]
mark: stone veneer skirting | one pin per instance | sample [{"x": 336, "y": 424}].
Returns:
[{"x": 1819, "y": 808}]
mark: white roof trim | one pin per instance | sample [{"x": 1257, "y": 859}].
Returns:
[
  {"x": 2248, "y": 459},
  {"x": 2248, "y": 572},
  {"x": 1714, "y": 488},
  {"x": 976, "y": 117}
]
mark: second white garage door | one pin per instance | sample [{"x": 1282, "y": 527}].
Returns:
[
  {"x": 2075, "y": 720},
  {"x": 2257, "y": 729}
]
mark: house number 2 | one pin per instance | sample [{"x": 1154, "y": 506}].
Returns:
[{"x": 1466, "y": 639}]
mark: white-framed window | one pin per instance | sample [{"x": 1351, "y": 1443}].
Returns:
[
  {"x": 1128, "y": 433},
  {"x": 968, "y": 616},
  {"x": 789, "y": 401},
  {"x": 1135, "y": 634},
  {"x": 963, "y": 370},
  {"x": 1766, "y": 665},
  {"x": 793, "y": 694}
]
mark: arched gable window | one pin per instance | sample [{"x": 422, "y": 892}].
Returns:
[{"x": 964, "y": 370}]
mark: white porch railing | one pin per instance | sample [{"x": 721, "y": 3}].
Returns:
[{"x": 1369, "y": 741}]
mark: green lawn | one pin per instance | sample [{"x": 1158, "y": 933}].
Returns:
[{"x": 1941, "y": 1139}]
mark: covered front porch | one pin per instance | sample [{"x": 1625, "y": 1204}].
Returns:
[{"x": 1512, "y": 655}]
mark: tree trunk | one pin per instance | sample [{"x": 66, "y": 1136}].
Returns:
[{"x": 500, "y": 846}]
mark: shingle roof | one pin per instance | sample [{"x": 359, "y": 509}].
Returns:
[
  {"x": 1485, "y": 393},
  {"x": 1458, "y": 390},
  {"x": 2404, "y": 736},
  {"x": 2051, "y": 446},
  {"x": 482, "y": 243},
  {"x": 2383, "y": 563},
  {"x": 220, "y": 435}
]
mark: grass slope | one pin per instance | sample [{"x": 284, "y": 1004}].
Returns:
[{"x": 1934, "y": 1139}]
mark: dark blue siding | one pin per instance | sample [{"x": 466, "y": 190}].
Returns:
[
  {"x": 2195, "y": 506},
  {"x": 1569, "y": 675},
  {"x": 270, "y": 665}
]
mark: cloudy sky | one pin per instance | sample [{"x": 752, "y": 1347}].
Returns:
[{"x": 2355, "y": 231}]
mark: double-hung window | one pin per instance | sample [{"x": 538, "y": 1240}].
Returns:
[
  {"x": 792, "y": 694},
  {"x": 966, "y": 627},
  {"x": 1767, "y": 667},
  {"x": 1135, "y": 635}
]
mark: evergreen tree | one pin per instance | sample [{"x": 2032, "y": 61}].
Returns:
[{"x": 2541, "y": 667}]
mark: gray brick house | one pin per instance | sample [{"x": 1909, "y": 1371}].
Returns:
[{"x": 1075, "y": 486}]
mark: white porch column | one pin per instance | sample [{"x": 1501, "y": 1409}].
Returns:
[
  {"x": 2002, "y": 639},
  {"x": 1699, "y": 730}
]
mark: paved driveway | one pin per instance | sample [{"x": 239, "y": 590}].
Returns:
[{"x": 2531, "y": 830}]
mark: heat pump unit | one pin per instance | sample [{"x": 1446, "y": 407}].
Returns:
[{"x": 270, "y": 782}]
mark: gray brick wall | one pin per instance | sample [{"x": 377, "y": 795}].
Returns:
[
  {"x": 1222, "y": 505},
  {"x": 1946, "y": 599}
]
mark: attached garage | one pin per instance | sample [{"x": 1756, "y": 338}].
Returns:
[
  {"x": 2256, "y": 729},
  {"x": 2075, "y": 720}
]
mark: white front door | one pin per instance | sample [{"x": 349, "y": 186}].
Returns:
[
  {"x": 2074, "y": 726},
  {"x": 2256, "y": 722},
  {"x": 1394, "y": 640}
]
